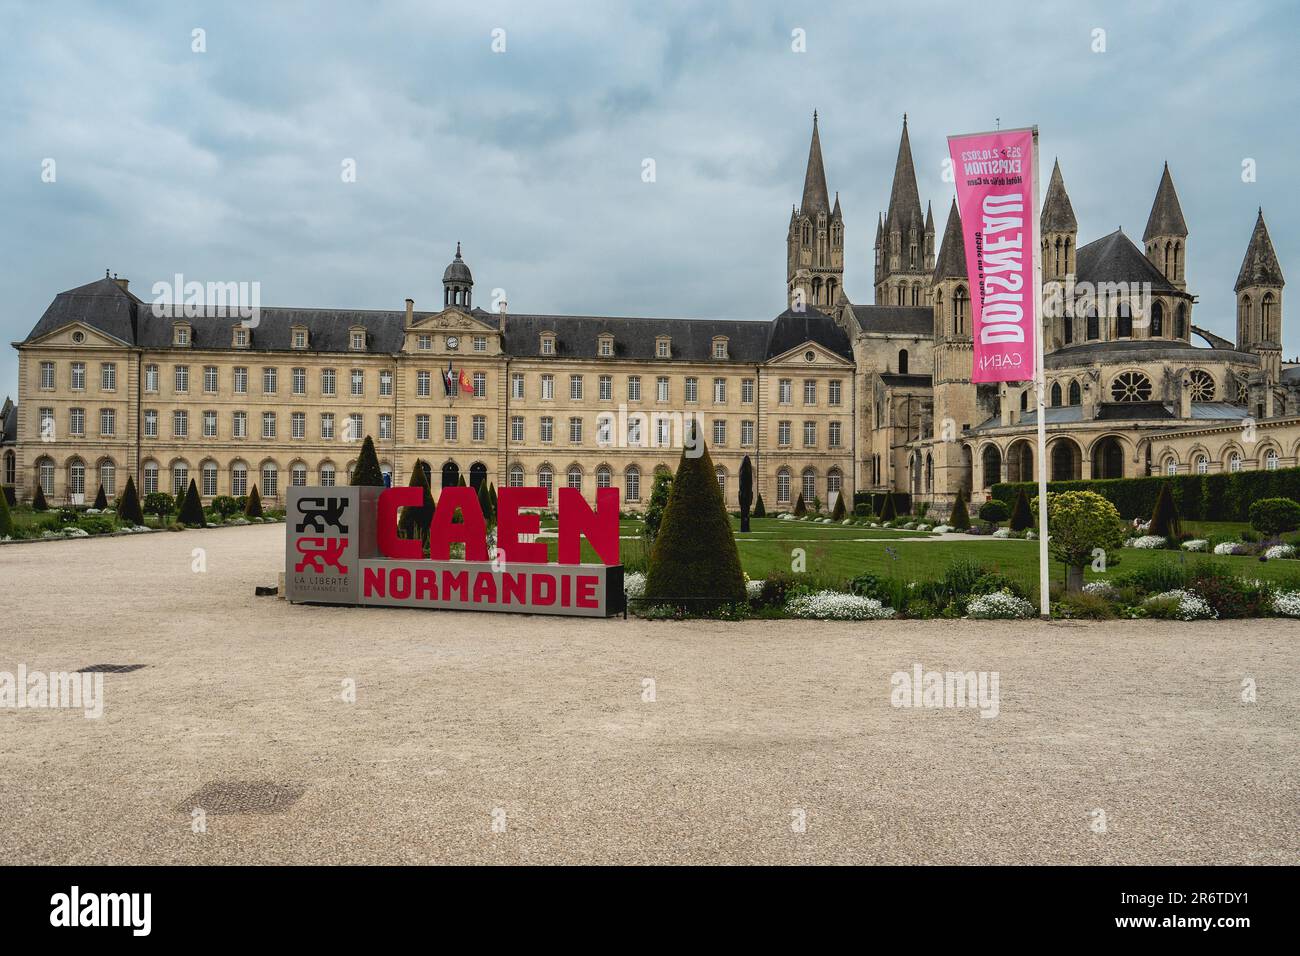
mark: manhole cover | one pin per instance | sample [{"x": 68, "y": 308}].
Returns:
[
  {"x": 244, "y": 796},
  {"x": 110, "y": 668}
]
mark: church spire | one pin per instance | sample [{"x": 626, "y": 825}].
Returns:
[
  {"x": 1166, "y": 217},
  {"x": 816, "y": 198},
  {"x": 904, "y": 198},
  {"x": 1260, "y": 267},
  {"x": 952, "y": 251},
  {"x": 1058, "y": 213}
]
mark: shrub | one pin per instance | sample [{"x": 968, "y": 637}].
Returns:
[
  {"x": 6, "y": 519},
  {"x": 93, "y": 524},
  {"x": 1286, "y": 603},
  {"x": 1022, "y": 515},
  {"x": 1154, "y": 578},
  {"x": 999, "y": 605},
  {"x": 413, "y": 522},
  {"x": 38, "y": 499},
  {"x": 776, "y": 587},
  {"x": 1228, "y": 595},
  {"x": 367, "y": 471},
  {"x": 746, "y": 491},
  {"x": 759, "y": 510},
  {"x": 1147, "y": 542},
  {"x": 1087, "y": 605},
  {"x": 101, "y": 499},
  {"x": 694, "y": 556},
  {"x": 888, "y": 511},
  {"x": 1079, "y": 522},
  {"x": 837, "y": 606},
  {"x": 994, "y": 511},
  {"x": 128, "y": 506},
  {"x": 960, "y": 517},
  {"x": 492, "y": 494},
  {"x": 1273, "y": 517},
  {"x": 837, "y": 513},
  {"x": 159, "y": 503},
  {"x": 191, "y": 508},
  {"x": 800, "y": 509},
  {"x": 253, "y": 507},
  {"x": 1178, "y": 605},
  {"x": 225, "y": 505},
  {"x": 1196, "y": 544},
  {"x": 1164, "y": 519},
  {"x": 660, "y": 492},
  {"x": 1279, "y": 551}
]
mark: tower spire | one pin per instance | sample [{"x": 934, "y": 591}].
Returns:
[
  {"x": 1166, "y": 217},
  {"x": 816, "y": 198},
  {"x": 904, "y": 198}
]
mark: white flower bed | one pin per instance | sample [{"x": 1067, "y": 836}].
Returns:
[
  {"x": 753, "y": 589},
  {"x": 923, "y": 527},
  {"x": 1279, "y": 551},
  {"x": 1287, "y": 603},
  {"x": 634, "y": 584},
  {"x": 1031, "y": 535},
  {"x": 1002, "y": 533},
  {"x": 1196, "y": 544},
  {"x": 941, "y": 529},
  {"x": 999, "y": 606},
  {"x": 1100, "y": 588},
  {"x": 1191, "y": 606},
  {"x": 910, "y": 526},
  {"x": 1228, "y": 547},
  {"x": 837, "y": 606},
  {"x": 1150, "y": 542}
]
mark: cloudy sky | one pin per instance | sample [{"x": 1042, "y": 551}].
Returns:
[{"x": 226, "y": 165}]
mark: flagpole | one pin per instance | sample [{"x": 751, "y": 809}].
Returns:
[{"x": 1040, "y": 386}]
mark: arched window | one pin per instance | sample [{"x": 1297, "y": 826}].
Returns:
[
  {"x": 546, "y": 479},
  {"x": 1202, "y": 465},
  {"x": 1266, "y": 331},
  {"x": 239, "y": 479},
  {"x": 1130, "y": 387},
  {"x": 45, "y": 475},
  {"x": 77, "y": 477},
  {"x": 1180, "y": 322},
  {"x": 721, "y": 474},
  {"x": 991, "y": 465},
  {"x": 270, "y": 480},
  {"x": 327, "y": 474},
  {"x": 604, "y": 477},
  {"x": 180, "y": 478},
  {"x": 1056, "y": 394},
  {"x": 298, "y": 474},
  {"x": 1201, "y": 385},
  {"x": 1093, "y": 331},
  {"x": 834, "y": 482},
  {"x": 108, "y": 477},
  {"x": 208, "y": 471},
  {"x": 1024, "y": 400},
  {"x": 1157, "y": 320},
  {"x": 783, "y": 486},
  {"x": 1270, "y": 460},
  {"x": 11, "y": 469},
  {"x": 1234, "y": 462},
  {"x": 632, "y": 483},
  {"x": 1171, "y": 467},
  {"x": 960, "y": 304},
  {"x": 149, "y": 477},
  {"x": 1124, "y": 321},
  {"x": 1076, "y": 394},
  {"x": 1067, "y": 330},
  {"x": 450, "y": 474},
  {"x": 516, "y": 477},
  {"x": 929, "y": 473},
  {"x": 809, "y": 485},
  {"x": 902, "y": 361},
  {"x": 573, "y": 478}
]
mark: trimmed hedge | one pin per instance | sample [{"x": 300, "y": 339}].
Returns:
[{"x": 1224, "y": 496}]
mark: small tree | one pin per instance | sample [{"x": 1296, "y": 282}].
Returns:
[
  {"x": 888, "y": 511},
  {"x": 1164, "y": 519},
  {"x": 485, "y": 502},
  {"x": 253, "y": 507},
  {"x": 1080, "y": 523},
  {"x": 413, "y": 522},
  {"x": 837, "y": 513},
  {"x": 746, "y": 491},
  {"x": 760, "y": 510},
  {"x": 191, "y": 508},
  {"x": 1022, "y": 516},
  {"x": 6, "y": 517},
  {"x": 159, "y": 504},
  {"x": 1274, "y": 516},
  {"x": 38, "y": 499},
  {"x": 660, "y": 492},
  {"x": 367, "y": 470},
  {"x": 128, "y": 506},
  {"x": 800, "y": 509},
  {"x": 994, "y": 511},
  {"x": 492, "y": 493},
  {"x": 694, "y": 561},
  {"x": 101, "y": 499},
  {"x": 960, "y": 517}
]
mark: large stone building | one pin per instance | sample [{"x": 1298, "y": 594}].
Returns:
[{"x": 827, "y": 397}]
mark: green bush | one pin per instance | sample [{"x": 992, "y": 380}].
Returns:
[
  {"x": 191, "y": 508},
  {"x": 97, "y": 524},
  {"x": 413, "y": 522},
  {"x": 1155, "y": 578},
  {"x": 694, "y": 561},
  {"x": 1230, "y": 595},
  {"x": 888, "y": 510},
  {"x": 128, "y": 506},
  {"x": 759, "y": 510},
  {"x": 800, "y": 509},
  {"x": 660, "y": 492},
  {"x": 837, "y": 513},
  {"x": 1022, "y": 516},
  {"x": 1078, "y": 523},
  {"x": 485, "y": 503},
  {"x": 1081, "y": 605},
  {"x": 960, "y": 517},
  {"x": 1164, "y": 517},
  {"x": 225, "y": 505},
  {"x": 6, "y": 518},
  {"x": 994, "y": 511},
  {"x": 159, "y": 503},
  {"x": 38, "y": 500},
  {"x": 253, "y": 506},
  {"x": 101, "y": 499},
  {"x": 367, "y": 471},
  {"x": 1273, "y": 517}
]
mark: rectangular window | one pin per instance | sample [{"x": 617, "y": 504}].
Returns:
[
  {"x": 47, "y": 376},
  {"x": 783, "y": 433},
  {"x": 421, "y": 427},
  {"x": 836, "y": 389},
  {"x": 386, "y": 426},
  {"x": 605, "y": 390},
  {"x": 548, "y": 346},
  {"x": 299, "y": 339},
  {"x": 358, "y": 341},
  {"x": 575, "y": 431},
  {"x": 480, "y": 384},
  {"x": 268, "y": 424},
  {"x": 516, "y": 385},
  {"x": 180, "y": 424},
  {"x": 239, "y": 425},
  {"x": 385, "y": 383},
  {"x": 692, "y": 389},
  {"x": 575, "y": 387},
  {"x": 356, "y": 427},
  {"x": 663, "y": 431},
  {"x": 327, "y": 381},
  {"x": 77, "y": 421},
  {"x": 210, "y": 379},
  {"x": 327, "y": 425},
  {"x": 634, "y": 388},
  {"x": 719, "y": 431},
  {"x": 300, "y": 381},
  {"x": 358, "y": 382},
  {"x": 632, "y": 485},
  {"x": 833, "y": 434},
  {"x": 150, "y": 377},
  {"x": 298, "y": 425},
  {"x": 810, "y": 391},
  {"x": 108, "y": 377},
  {"x": 747, "y": 433},
  {"x": 449, "y": 427},
  {"x": 79, "y": 375},
  {"x": 270, "y": 380},
  {"x": 209, "y": 481},
  {"x": 241, "y": 381},
  {"x": 422, "y": 381},
  {"x": 719, "y": 391},
  {"x": 661, "y": 388},
  {"x": 663, "y": 348},
  {"x": 238, "y": 480},
  {"x": 747, "y": 391},
  {"x": 151, "y": 423},
  {"x": 517, "y": 428},
  {"x": 548, "y": 387},
  {"x": 480, "y": 343},
  {"x": 478, "y": 428},
  {"x": 209, "y": 424},
  {"x": 548, "y": 429},
  {"x": 783, "y": 393},
  {"x": 182, "y": 378},
  {"x": 424, "y": 342},
  {"x": 241, "y": 337},
  {"x": 809, "y": 434},
  {"x": 634, "y": 431}
]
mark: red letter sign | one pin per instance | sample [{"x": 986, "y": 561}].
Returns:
[
  {"x": 600, "y": 526},
  {"x": 473, "y": 532},
  {"x": 389, "y": 543},
  {"x": 511, "y": 524}
]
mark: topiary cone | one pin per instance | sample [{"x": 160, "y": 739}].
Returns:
[
  {"x": 253, "y": 507},
  {"x": 800, "y": 509},
  {"x": 1022, "y": 516},
  {"x": 101, "y": 499},
  {"x": 38, "y": 500},
  {"x": 367, "y": 470},
  {"x": 960, "y": 518},
  {"x": 6, "y": 518},
  {"x": 128, "y": 508},
  {"x": 191, "y": 508}
]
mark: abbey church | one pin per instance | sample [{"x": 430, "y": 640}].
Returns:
[{"x": 827, "y": 398}]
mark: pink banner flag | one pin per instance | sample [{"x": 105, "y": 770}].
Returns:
[{"x": 995, "y": 195}]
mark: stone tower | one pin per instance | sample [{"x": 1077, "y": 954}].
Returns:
[
  {"x": 1060, "y": 231},
  {"x": 1259, "y": 303},
  {"x": 457, "y": 283},
  {"x": 1165, "y": 236},
  {"x": 954, "y": 394},
  {"x": 815, "y": 241},
  {"x": 904, "y": 239}
]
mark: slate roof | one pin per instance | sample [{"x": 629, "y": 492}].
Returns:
[
  {"x": 906, "y": 381},
  {"x": 1166, "y": 217},
  {"x": 1260, "y": 266},
  {"x": 1114, "y": 258},
  {"x": 104, "y": 305},
  {"x": 951, "y": 263},
  {"x": 897, "y": 319},
  {"x": 1058, "y": 213},
  {"x": 1291, "y": 376},
  {"x": 816, "y": 199}
]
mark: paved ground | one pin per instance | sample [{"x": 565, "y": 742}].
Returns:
[{"x": 753, "y": 727}]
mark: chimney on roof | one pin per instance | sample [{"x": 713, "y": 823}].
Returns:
[
  {"x": 410, "y": 312},
  {"x": 501, "y": 316},
  {"x": 123, "y": 284}
]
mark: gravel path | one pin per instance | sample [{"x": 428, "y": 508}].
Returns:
[{"x": 540, "y": 725}]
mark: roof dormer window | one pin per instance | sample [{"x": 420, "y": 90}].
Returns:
[
  {"x": 300, "y": 337},
  {"x": 719, "y": 346},
  {"x": 181, "y": 334},
  {"x": 239, "y": 337},
  {"x": 357, "y": 339},
  {"x": 663, "y": 347},
  {"x": 605, "y": 346},
  {"x": 548, "y": 343}
]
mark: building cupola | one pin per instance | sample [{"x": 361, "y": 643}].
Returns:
[{"x": 457, "y": 283}]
